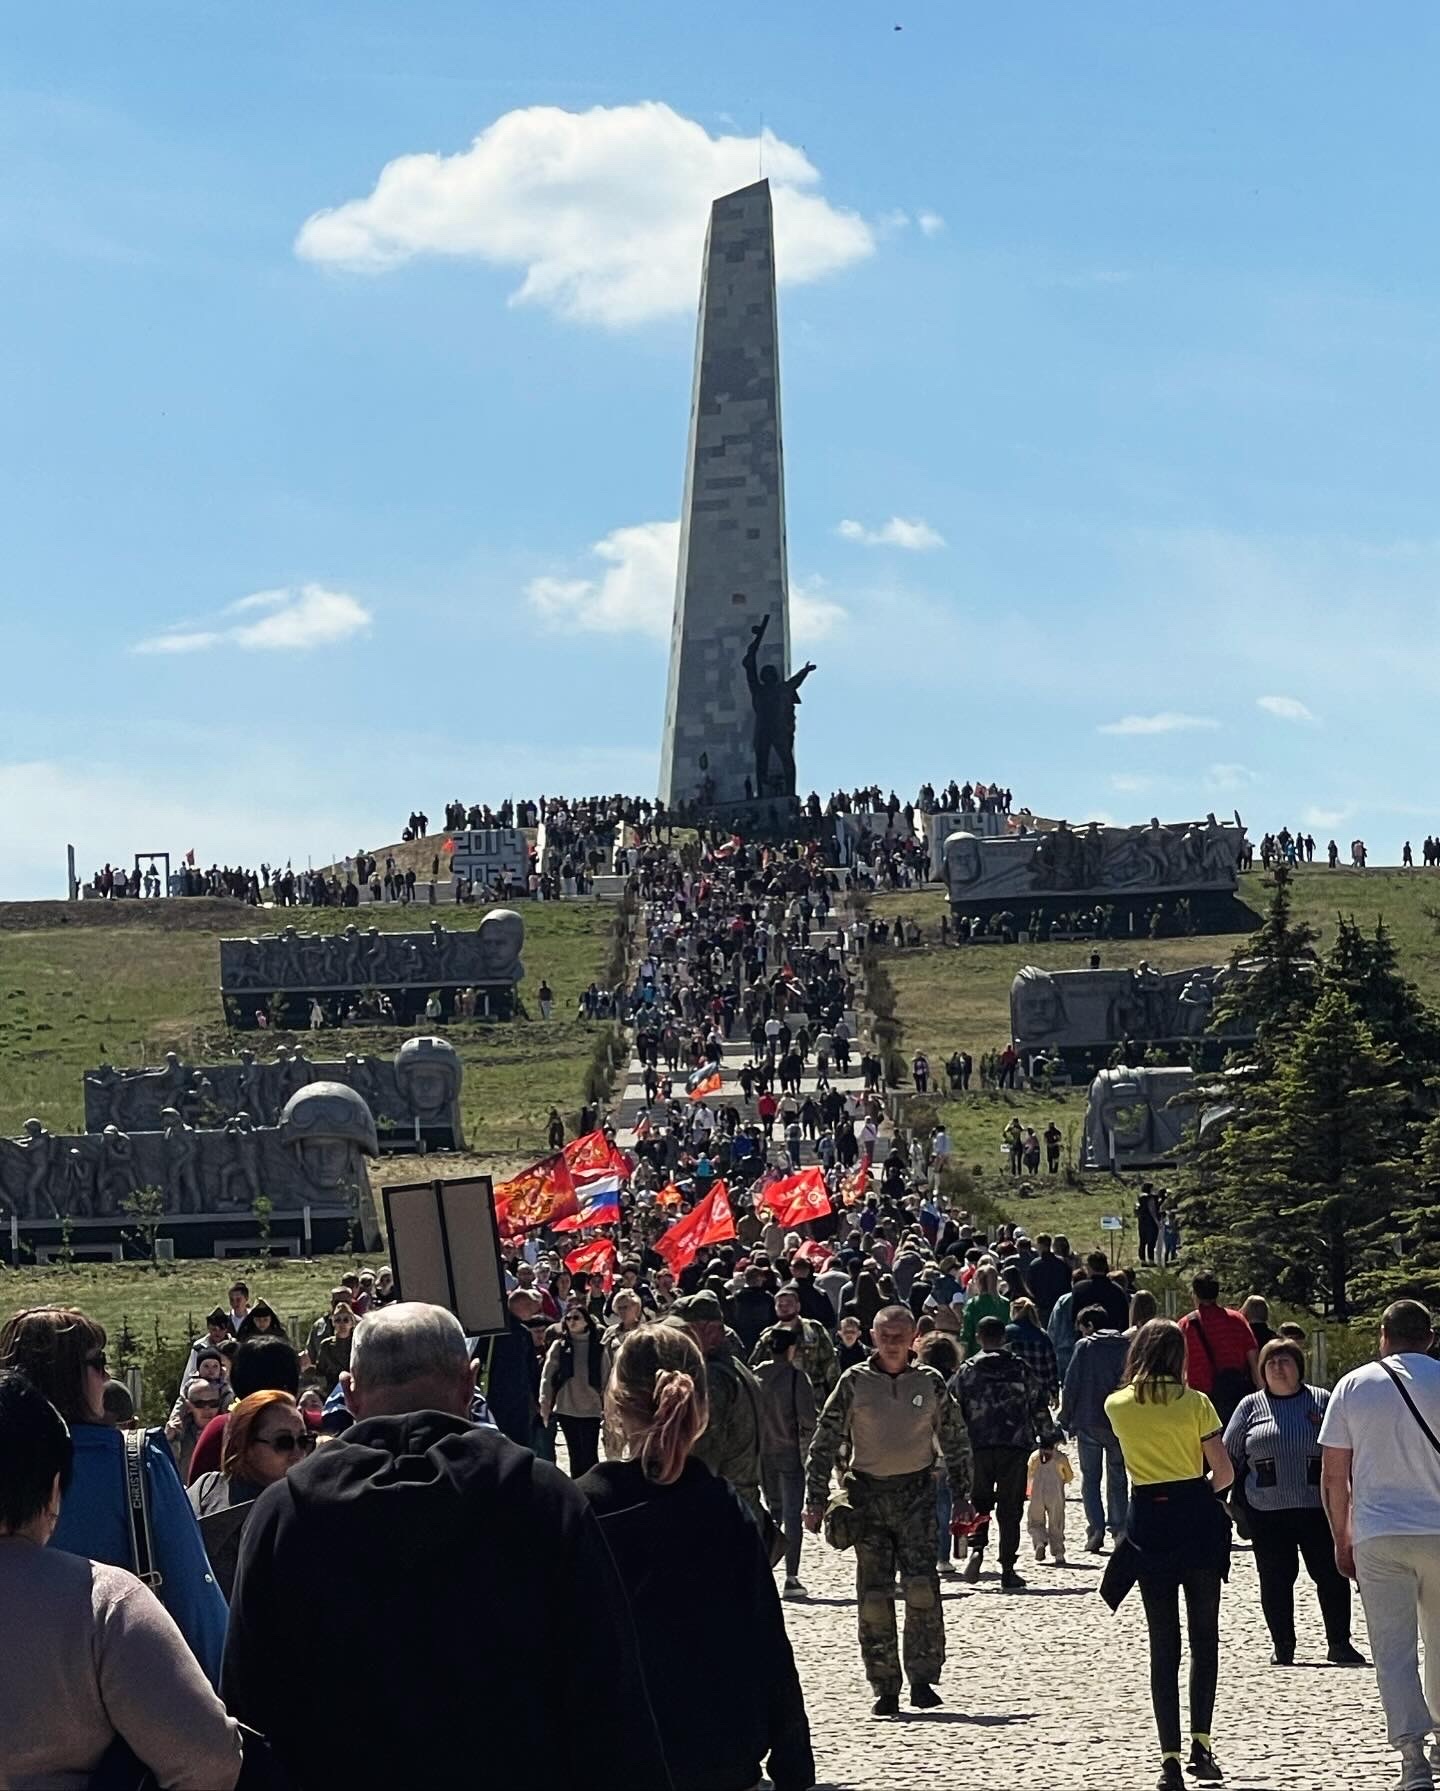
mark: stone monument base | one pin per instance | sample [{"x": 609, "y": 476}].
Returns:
[{"x": 304, "y": 1231}]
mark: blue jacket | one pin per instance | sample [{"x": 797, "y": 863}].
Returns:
[
  {"x": 1095, "y": 1371},
  {"x": 95, "y": 1521}
]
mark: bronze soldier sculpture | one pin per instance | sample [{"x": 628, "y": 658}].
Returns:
[{"x": 775, "y": 700}]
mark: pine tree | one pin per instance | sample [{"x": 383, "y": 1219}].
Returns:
[
  {"x": 1367, "y": 969},
  {"x": 1277, "y": 985},
  {"x": 1314, "y": 1164}
]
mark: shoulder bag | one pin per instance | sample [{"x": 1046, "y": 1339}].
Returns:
[
  {"x": 1415, "y": 1412},
  {"x": 137, "y": 1503}
]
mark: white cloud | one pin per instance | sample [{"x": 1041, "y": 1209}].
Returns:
[
  {"x": 635, "y": 593},
  {"x": 1287, "y": 708},
  {"x": 1328, "y": 817},
  {"x": 285, "y": 622},
  {"x": 1129, "y": 783},
  {"x": 931, "y": 223},
  {"x": 605, "y": 210},
  {"x": 1168, "y": 721},
  {"x": 909, "y": 532},
  {"x": 1230, "y": 777}
]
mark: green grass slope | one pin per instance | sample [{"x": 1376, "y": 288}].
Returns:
[{"x": 124, "y": 982}]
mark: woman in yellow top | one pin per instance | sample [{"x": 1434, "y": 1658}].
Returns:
[{"x": 1177, "y": 1536}]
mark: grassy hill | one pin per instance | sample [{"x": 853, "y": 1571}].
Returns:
[
  {"x": 123, "y": 982},
  {"x": 959, "y": 996}
]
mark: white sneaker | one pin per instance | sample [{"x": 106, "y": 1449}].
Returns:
[
  {"x": 948, "y": 1567},
  {"x": 793, "y": 1589}
]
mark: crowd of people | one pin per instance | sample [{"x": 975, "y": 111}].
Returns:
[{"x": 781, "y": 1325}]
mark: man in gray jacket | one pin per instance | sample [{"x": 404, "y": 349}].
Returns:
[
  {"x": 1094, "y": 1372},
  {"x": 787, "y": 1424}
]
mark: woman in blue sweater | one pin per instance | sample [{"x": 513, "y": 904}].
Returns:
[
  {"x": 62, "y": 1353},
  {"x": 1273, "y": 1438}
]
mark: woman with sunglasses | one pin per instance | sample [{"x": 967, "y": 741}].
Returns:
[
  {"x": 266, "y": 1436},
  {"x": 194, "y": 1407},
  {"x": 93, "y": 1663},
  {"x": 61, "y": 1352}
]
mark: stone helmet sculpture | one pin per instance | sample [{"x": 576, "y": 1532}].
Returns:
[
  {"x": 963, "y": 861},
  {"x": 502, "y": 937},
  {"x": 329, "y": 1128},
  {"x": 1037, "y": 1008},
  {"x": 427, "y": 1072}
]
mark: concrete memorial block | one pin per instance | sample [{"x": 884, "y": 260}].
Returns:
[
  {"x": 1063, "y": 867},
  {"x": 1079, "y": 1009},
  {"x": 405, "y": 966},
  {"x": 314, "y": 1158},
  {"x": 483, "y": 855},
  {"x": 413, "y": 1098},
  {"x": 1136, "y": 1118},
  {"x": 730, "y": 704}
]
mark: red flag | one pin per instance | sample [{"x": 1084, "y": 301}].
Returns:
[
  {"x": 537, "y": 1195},
  {"x": 669, "y": 1196},
  {"x": 813, "y": 1251},
  {"x": 447, "y": 844},
  {"x": 796, "y": 1199},
  {"x": 582, "y": 1155},
  {"x": 595, "y": 1258},
  {"x": 710, "y": 1084},
  {"x": 711, "y": 1222},
  {"x": 190, "y": 856},
  {"x": 855, "y": 1186}
]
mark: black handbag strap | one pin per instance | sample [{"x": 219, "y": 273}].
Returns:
[{"x": 1415, "y": 1411}]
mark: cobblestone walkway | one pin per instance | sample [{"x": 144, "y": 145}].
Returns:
[{"x": 1045, "y": 1690}]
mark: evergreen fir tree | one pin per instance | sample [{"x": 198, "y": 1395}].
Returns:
[
  {"x": 1314, "y": 1166},
  {"x": 1279, "y": 985},
  {"x": 1367, "y": 969}
]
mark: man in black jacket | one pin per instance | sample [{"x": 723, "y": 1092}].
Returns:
[{"x": 468, "y": 1546}]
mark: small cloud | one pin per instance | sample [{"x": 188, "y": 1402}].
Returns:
[
  {"x": 603, "y": 212},
  {"x": 1129, "y": 783},
  {"x": 286, "y": 622},
  {"x": 909, "y": 532},
  {"x": 1169, "y": 721},
  {"x": 931, "y": 223},
  {"x": 1328, "y": 817},
  {"x": 1286, "y": 708},
  {"x": 635, "y": 591},
  {"x": 1230, "y": 777}
]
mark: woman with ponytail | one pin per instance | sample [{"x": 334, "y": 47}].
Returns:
[{"x": 701, "y": 1589}]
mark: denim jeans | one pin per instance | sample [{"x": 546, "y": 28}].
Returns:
[
  {"x": 944, "y": 1511},
  {"x": 784, "y": 1485},
  {"x": 1101, "y": 1455}
]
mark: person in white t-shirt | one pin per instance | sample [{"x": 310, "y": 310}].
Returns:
[{"x": 1380, "y": 1483}]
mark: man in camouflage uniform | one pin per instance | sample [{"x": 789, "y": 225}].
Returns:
[
  {"x": 730, "y": 1444},
  {"x": 1007, "y": 1415},
  {"x": 895, "y": 1416},
  {"x": 817, "y": 1348}
]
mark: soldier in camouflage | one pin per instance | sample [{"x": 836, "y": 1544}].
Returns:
[
  {"x": 730, "y": 1445},
  {"x": 817, "y": 1350},
  {"x": 896, "y": 1416},
  {"x": 1007, "y": 1415}
]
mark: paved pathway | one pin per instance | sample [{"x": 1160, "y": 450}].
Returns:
[{"x": 1047, "y": 1691}]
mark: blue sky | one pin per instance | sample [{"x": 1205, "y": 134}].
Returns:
[{"x": 1111, "y": 331}]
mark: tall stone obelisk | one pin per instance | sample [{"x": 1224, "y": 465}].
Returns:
[{"x": 732, "y": 572}]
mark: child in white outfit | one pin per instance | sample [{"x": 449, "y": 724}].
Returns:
[{"x": 1045, "y": 1516}]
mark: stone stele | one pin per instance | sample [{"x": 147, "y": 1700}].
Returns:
[
  {"x": 1093, "y": 863},
  {"x": 315, "y": 1156},
  {"x": 353, "y": 960},
  {"x": 1079, "y": 1009},
  {"x": 414, "y": 1097}
]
